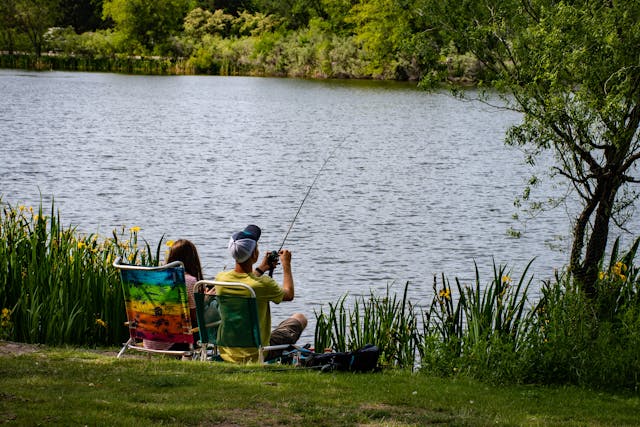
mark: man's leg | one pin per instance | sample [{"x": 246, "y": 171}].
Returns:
[{"x": 287, "y": 332}]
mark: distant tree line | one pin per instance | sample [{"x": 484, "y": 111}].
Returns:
[{"x": 385, "y": 39}]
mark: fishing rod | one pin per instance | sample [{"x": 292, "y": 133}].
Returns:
[{"x": 274, "y": 255}]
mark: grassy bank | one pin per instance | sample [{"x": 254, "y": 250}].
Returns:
[{"x": 65, "y": 386}]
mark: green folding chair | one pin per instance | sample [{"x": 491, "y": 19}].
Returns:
[
  {"x": 157, "y": 307},
  {"x": 239, "y": 325},
  {"x": 208, "y": 317}
]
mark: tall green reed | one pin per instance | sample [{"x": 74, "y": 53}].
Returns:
[
  {"x": 498, "y": 308},
  {"x": 58, "y": 286},
  {"x": 476, "y": 327},
  {"x": 388, "y": 322}
]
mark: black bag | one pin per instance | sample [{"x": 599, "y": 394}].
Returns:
[{"x": 364, "y": 359}]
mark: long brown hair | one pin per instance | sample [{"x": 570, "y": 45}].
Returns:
[{"x": 185, "y": 251}]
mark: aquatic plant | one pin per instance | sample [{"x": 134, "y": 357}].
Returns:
[
  {"x": 386, "y": 321},
  {"x": 57, "y": 285}
]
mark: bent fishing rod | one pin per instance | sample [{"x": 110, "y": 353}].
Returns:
[{"x": 274, "y": 255}]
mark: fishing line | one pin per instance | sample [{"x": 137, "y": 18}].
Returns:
[
  {"x": 273, "y": 256},
  {"x": 307, "y": 195}
]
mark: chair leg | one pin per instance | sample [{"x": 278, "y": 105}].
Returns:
[
  {"x": 124, "y": 348},
  {"x": 203, "y": 353}
]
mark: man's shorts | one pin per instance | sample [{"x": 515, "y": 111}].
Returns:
[{"x": 287, "y": 332}]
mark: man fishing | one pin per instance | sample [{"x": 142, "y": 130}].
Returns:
[{"x": 243, "y": 247}]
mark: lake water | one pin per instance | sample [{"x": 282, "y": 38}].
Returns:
[{"x": 419, "y": 184}]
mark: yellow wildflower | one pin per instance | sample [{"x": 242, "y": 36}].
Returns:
[
  {"x": 170, "y": 243},
  {"x": 21, "y": 208},
  {"x": 601, "y": 275},
  {"x": 81, "y": 244},
  {"x": 101, "y": 322},
  {"x": 445, "y": 293},
  {"x": 135, "y": 229},
  {"x": 506, "y": 279}
]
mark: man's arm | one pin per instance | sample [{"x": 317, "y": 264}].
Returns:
[{"x": 287, "y": 279}]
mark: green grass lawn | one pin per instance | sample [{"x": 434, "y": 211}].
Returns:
[{"x": 62, "y": 386}]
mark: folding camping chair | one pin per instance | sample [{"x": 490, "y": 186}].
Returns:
[
  {"x": 157, "y": 308},
  {"x": 209, "y": 321},
  {"x": 239, "y": 325}
]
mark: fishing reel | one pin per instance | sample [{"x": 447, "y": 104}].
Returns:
[{"x": 272, "y": 259}]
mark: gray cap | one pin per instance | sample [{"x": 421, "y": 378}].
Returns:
[{"x": 243, "y": 243}]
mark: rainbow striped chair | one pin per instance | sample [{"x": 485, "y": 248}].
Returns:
[{"x": 157, "y": 309}]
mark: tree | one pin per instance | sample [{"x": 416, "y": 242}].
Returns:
[
  {"x": 82, "y": 15},
  {"x": 296, "y": 13},
  {"x": 572, "y": 68},
  {"x": 232, "y": 7},
  {"x": 146, "y": 25},
  {"x": 34, "y": 18},
  {"x": 8, "y": 25},
  {"x": 391, "y": 33}
]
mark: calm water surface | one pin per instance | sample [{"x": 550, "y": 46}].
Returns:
[{"x": 419, "y": 184}]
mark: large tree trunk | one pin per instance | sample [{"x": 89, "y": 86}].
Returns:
[{"x": 585, "y": 269}]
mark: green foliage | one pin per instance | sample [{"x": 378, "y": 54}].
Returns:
[
  {"x": 29, "y": 18},
  {"x": 573, "y": 340},
  {"x": 328, "y": 39},
  {"x": 380, "y": 25},
  {"x": 270, "y": 50},
  {"x": 59, "y": 287},
  {"x": 387, "y": 322},
  {"x": 82, "y": 15},
  {"x": 199, "y": 23},
  {"x": 296, "y": 13},
  {"x": 147, "y": 25}
]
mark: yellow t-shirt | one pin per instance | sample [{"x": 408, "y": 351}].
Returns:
[{"x": 266, "y": 290}]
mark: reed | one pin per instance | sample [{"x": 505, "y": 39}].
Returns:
[
  {"x": 388, "y": 322},
  {"x": 58, "y": 286},
  {"x": 114, "y": 63},
  {"x": 498, "y": 308}
]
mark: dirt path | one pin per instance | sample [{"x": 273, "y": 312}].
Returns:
[{"x": 10, "y": 348}]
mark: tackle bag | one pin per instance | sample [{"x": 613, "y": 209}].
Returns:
[{"x": 364, "y": 359}]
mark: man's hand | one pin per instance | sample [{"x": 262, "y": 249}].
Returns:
[
  {"x": 285, "y": 259},
  {"x": 264, "y": 265}
]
